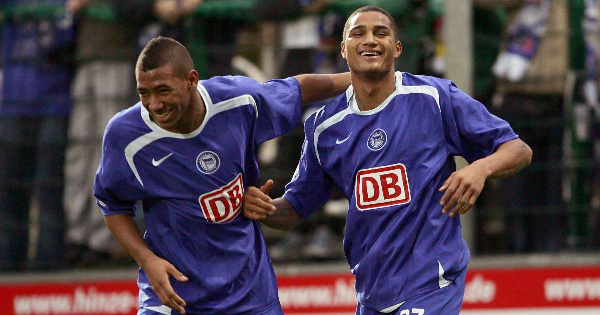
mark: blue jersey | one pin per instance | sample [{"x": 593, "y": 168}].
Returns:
[
  {"x": 191, "y": 188},
  {"x": 389, "y": 162}
]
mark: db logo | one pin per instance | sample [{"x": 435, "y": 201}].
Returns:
[
  {"x": 223, "y": 204},
  {"x": 382, "y": 187}
]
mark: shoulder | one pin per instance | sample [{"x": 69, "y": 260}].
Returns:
[
  {"x": 222, "y": 88},
  {"x": 409, "y": 79},
  {"x": 332, "y": 109},
  {"x": 125, "y": 126}
]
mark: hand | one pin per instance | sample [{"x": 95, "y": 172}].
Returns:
[
  {"x": 158, "y": 271},
  {"x": 462, "y": 189},
  {"x": 257, "y": 203},
  {"x": 75, "y": 6},
  {"x": 189, "y": 6}
]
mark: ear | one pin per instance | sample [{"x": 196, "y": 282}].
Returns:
[
  {"x": 343, "y": 49},
  {"x": 398, "y": 51},
  {"x": 192, "y": 79}
]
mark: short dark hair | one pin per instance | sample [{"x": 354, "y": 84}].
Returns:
[
  {"x": 371, "y": 8},
  {"x": 162, "y": 51}
]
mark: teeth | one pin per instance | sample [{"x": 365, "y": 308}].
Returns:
[
  {"x": 163, "y": 115},
  {"x": 369, "y": 54}
]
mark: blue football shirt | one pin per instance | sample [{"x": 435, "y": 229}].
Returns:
[
  {"x": 191, "y": 188},
  {"x": 389, "y": 162}
]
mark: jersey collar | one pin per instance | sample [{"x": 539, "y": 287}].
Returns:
[{"x": 351, "y": 100}]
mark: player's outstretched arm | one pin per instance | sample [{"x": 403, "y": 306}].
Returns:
[
  {"x": 277, "y": 214},
  {"x": 317, "y": 87},
  {"x": 463, "y": 187},
  {"x": 158, "y": 270}
]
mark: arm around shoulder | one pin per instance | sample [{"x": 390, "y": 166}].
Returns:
[{"x": 317, "y": 87}]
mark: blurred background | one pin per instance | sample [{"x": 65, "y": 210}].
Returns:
[{"x": 68, "y": 66}]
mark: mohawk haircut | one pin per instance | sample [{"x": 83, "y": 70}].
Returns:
[
  {"x": 162, "y": 51},
  {"x": 371, "y": 8}
]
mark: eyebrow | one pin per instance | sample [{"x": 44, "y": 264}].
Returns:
[
  {"x": 376, "y": 27},
  {"x": 155, "y": 87}
]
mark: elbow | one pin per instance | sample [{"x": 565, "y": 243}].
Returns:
[{"x": 528, "y": 155}]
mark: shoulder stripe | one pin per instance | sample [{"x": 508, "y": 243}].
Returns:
[
  {"x": 135, "y": 146},
  {"x": 422, "y": 89},
  {"x": 238, "y": 101},
  {"x": 326, "y": 124}
]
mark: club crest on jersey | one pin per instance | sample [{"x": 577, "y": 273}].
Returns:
[
  {"x": 382, "y": 187},
  {"x": 377, "y": 140},
  {"x": 208, "y": 162},
  {"x": 224, "y": 204}
]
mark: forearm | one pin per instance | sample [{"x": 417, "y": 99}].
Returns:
[
  {"x": 511, "y": 157},
  {"x": 285, "y": 216},
  {"x": 125, "y": 230},
  {"x": 317, "y": 87}
]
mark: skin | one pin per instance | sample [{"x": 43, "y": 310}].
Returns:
[
  {"x": 373, "y": 81},
  {"x": 175, "y": 105},
  {"x": 172, "y": 101}
]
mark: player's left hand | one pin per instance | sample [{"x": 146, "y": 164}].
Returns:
[{"x": 462, "y": 189}]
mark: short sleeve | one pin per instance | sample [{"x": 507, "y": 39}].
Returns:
[
  {"x": 471, "y": 130},
  {"x": 113, "y": 187},
  {"x": 310, "y": 187},
  {"x": 279, "y": 108}
]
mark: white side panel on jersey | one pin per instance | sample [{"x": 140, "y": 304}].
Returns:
[{"x": 442, "y": 282}]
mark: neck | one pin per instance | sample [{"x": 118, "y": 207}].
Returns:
[
  {"x": 371, "y": 92},
  {"x": 195, "y": 113}
]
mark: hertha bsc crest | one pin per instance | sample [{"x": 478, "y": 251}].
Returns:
[
  {"x": 208, "y": 162},
  {"x": 377, "y": 140}
]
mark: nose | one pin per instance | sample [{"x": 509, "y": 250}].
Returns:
[
  {"x": 370, "y": 38},
  {"x": 155, "y": 103}
]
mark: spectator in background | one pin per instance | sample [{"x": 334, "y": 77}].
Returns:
[
  {"x": 529, "y": 95},
  {"x": 34, "y": 111},
  {"x": 103, "y": 86},
  {"x": 161, "y": 18}
]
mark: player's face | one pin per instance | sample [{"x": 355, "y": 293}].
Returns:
[
  {"x": 370, "y": 46},
  {"x": 167, "y": 97}
]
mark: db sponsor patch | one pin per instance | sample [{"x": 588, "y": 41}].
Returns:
[
  {"x": 224, "y": 204},
  {"x": 382, "y": 187}
]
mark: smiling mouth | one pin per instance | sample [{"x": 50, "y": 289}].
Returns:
[
  {"x": 163, "y": 114},
  {"x": 370, "y": 54}
]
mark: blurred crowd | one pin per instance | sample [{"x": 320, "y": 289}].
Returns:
[{"x": 67, "y": 66}]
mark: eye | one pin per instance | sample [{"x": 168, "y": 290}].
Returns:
[
  {"x": 164, "y": 91},
  {"x": 143, "y": 93},
  {"x": 356, "y": 34}
]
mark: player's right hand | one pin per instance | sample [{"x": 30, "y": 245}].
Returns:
[
  {"x": 257, "y": 203},
  {"x": 158, "y": 271}
]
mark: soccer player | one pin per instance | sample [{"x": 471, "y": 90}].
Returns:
[
  {"x": 388, "y": 144},
  {"x": 187, "y": 151}
]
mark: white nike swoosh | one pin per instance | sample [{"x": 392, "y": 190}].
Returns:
[
  {"x": 338, "y": 141},
  {"x": 157, "y": 163}
]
